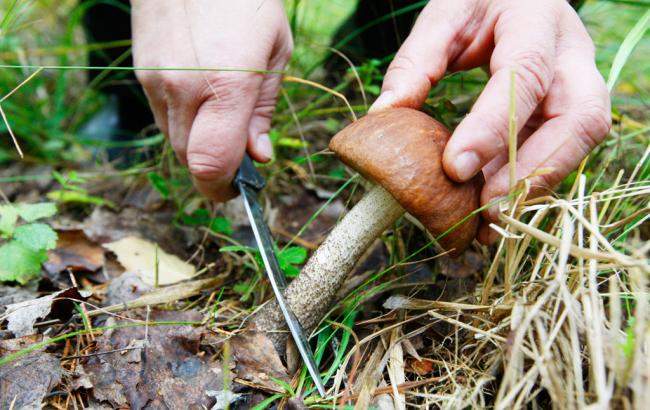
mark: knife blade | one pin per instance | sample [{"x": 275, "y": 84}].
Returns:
[{"x": 249, "y": 183}]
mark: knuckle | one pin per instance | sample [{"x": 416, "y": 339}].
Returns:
[
  {"x": 173, "y": 83},
  {"x": 146, "y": 78},
  {"x": 546, "y": 180},
  {"x": 533, "y": 68},
  {"x": 287, "y": 49},
  {"x": 205, "y": 166},
  {"x": 496, "y": 126},
  {"x": 228, "y": 87},
  {"x": 593, "y": 121},
  {"x": 403, "y": 70},
  {"x": 402, "y": 62}
]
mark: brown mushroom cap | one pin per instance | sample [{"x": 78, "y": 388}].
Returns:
[{"x": 401, "y": 149}]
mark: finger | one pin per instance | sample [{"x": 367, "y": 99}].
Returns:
[
  {"x": 438, "y": 35},
  {"x": 500, "y": 160},
  {"x": 155, "y": 97},
  {"x": 259, "y": 144},
  {"x": 579, "y": 109},
  {"x": 182, "y": 104},
  {"x": 219, "y": 132},
  {"x": 525, "y": 45},
  {"x": 486, "y": 235}
]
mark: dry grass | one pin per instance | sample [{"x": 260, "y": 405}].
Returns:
[{"x": 572, "y": 332}]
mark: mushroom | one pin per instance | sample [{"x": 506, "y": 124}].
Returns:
[{"x": 400, "y": 151}]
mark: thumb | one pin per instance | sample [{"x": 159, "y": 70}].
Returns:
[{"x": 423, "y": 58}]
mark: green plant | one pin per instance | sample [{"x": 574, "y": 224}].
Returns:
[
  {"x": 289, "y": 258},
  {"x": 72, "y": 193},
  {"x": 26, "y": 241},
  {"x": 202, "y": 217}
]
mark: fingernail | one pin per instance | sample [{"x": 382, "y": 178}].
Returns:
[
  {"x": 466, "y": 165},
  {"x": 264, "y": 147},
  {"x": 385, "y": 100}
]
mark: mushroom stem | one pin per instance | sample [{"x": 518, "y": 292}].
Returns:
[{"x": 311, "y": 293}]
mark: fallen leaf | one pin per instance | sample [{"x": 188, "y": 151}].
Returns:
[
  {"x": 257, "y": 360},
  {"x": 19, "y": 343},
  {"x": 224, "y": 398},
  {"x": 22, "y": 316},
  {"x": 125, "y": 288},
  {"x": 162, "y": 370},
  {"x": 126, "y": 291},
  {"x": 420, "y": 367},
  {"x": 141, "y": 257},
  {"x": 105, "y": 226},
  {"x": 10, "y": 295},
  {"x": 75, "y": 252},
  {"x": 80, "y": 379},
  {"x": 26, "y": 381}
]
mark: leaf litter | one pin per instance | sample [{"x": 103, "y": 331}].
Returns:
[
  {"x": 22, "y": 316},
  {"x": 151, "y": 263}
]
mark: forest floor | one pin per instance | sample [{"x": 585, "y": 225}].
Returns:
[{"x": 121, "y": 287}]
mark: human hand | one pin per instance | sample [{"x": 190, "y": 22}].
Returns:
[
  {"x": 562, "y": 103},
  {"x": 211, "y": 117}
]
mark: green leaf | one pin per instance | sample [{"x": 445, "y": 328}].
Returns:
[
  {"x": 8, "y": 218},
  {"x": 221, "y": 225},
  {"x": 274, "y": 136},
  {"x": 286, "y": 386},
  {"x": 267, "y": 402},
  {"x": 238, "y": 248},
  {"x": 202, "y": 217},
  {"x": 293, "y": 255},
  {"x": 36, "y": 236},
  {"x": 33, "y": 212},
  {"x": 291, "y": 142},
  {"x": 373, "y": 89},
  {"x": 290, "y": 271},
  {"x": 78, "y": 197},
  {"x": 625, "y": 50},
  {"x": 338, "y": 173},
  {"x": 69, "y": 180},
  {"x": 18, "y": 263},
  {"x": 159, "y": 184},
  {"x": 241, "y": 287},
  {"x": 287, "y": 258}
]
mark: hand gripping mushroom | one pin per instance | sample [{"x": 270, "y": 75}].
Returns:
[{"x": 400, "y": 151}]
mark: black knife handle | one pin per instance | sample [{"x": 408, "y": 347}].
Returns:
[{"x": 247, "y": 175}]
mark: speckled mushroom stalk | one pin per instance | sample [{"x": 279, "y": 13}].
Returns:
[{"x": 400, "y": 150}]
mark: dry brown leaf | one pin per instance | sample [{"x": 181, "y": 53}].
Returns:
[
  {"x": 156, "y": 367},
  {"x": 22, "y": 316},
  {"x": 75, "y": 252},
  {"x": 24, "y": 382},
  {"x": 139, "y": 256},
  {"x": 420, "y": 367},
  {"x": 257, "y": 360}
]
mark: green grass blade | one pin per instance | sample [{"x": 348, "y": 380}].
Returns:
[{"x": 625, "y": 50}]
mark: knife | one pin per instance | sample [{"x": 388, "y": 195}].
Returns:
[{"x": 249, "y": 183}]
